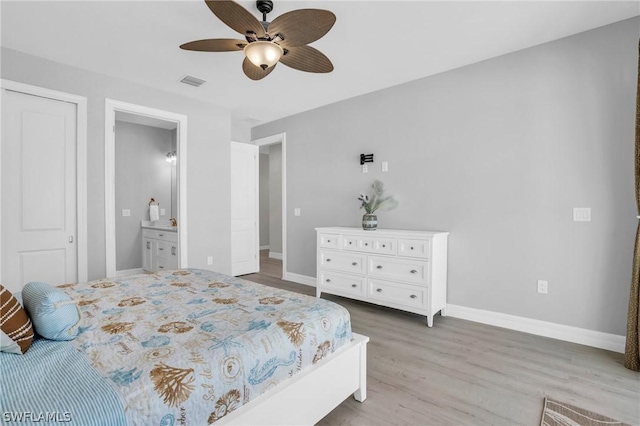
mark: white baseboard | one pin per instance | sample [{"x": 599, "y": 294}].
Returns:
[
  {"x": 274, "y": 255},
  {"x": 267, "y": 247},
  {"x": 125, "y": 272},
  {"x": 300, "y": 279},
  {"x": 597, "y": 339}
]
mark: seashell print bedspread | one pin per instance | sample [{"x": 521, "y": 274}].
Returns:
[{"x": 190, "y": 346}]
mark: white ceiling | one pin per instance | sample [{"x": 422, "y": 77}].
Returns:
[{"x": 373, "y": 45}]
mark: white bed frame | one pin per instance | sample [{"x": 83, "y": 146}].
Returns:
[{"x": 311, "y": 394}]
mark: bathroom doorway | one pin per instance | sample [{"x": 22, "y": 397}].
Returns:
[{"x": 145, "y": 157}]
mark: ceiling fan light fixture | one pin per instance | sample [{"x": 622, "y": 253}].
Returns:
[{"x": 263, "y": 54}]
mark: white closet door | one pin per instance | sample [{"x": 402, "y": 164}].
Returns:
[
  {"x": 38, "y": 190},
  {"x": 244, "y": 209}
]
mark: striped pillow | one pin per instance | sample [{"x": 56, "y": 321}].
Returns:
[
  {"x": 54, "y": 314},
  {"x": 17, "y": 331}
]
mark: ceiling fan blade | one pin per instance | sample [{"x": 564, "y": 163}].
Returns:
[
  {"x": 254, "y": 72},
  {"x": 306, "y": 58},
  {"x": 236, "y": 17},
  {"x": 303, "y": 26},
  {"x": 215, "y": 45}
]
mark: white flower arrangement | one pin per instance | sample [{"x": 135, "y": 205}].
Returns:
[{"x": 377, "y": 201}]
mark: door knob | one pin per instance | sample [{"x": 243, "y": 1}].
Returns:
[{"x": 70, "y": 239}]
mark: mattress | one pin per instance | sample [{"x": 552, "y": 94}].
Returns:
[{"x": 190, "y": 346}]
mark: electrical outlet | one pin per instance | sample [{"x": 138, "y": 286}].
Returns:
[
  {"x": 365, "y": 169},
  {"x": 296, "y": 212},
  {"x": 582, "y": 214},
  {"x": 209, "y": 260},
  {"x": 543, "y": 286},
  {"x": 385, "y": 166},
  {"x": 163, "y": 212},
  {"x": 126, "y": 212}
]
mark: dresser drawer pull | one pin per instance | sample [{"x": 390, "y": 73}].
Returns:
[
  {"x": 366, "y": 244},
  {"x": 160, "y": 235},
  {"x": 350, "y": 242},
  {"x": 355, "y": 264},
  {"x": 148, "y": 245},
  {"x": 379, "y": 267},
  {"x": 383, "y": 246},
  {"x": 161, "y": 267},
  {"x": 160, "y": 248},
  {"x": 413, "y": 296},
  {"x": 379, "y": 290},
  {"x": 328, "y": 241},
  {"x": 327, "y": 280},
  {"x": 354, "y": 285},
  {"x": 328, "y": 260},
  {"x": 173, "y": 251},
  {"x": 413, "y": 271},
  {"x": 411, "y": 247}
]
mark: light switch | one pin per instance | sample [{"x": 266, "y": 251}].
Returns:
[
  {"x": 126, "y": 212},
  {"x": 385, "y": 166},
  {"x": 582, "y": 214},
  {"x": 162, "y": 212},
  {"x": 296, "y": 212}
]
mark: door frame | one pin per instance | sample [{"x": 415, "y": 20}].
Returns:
[
  {"x": 271, "y": 140},
  {"x": 81, "y": 164},
  {"x": 110, "y": 108}
]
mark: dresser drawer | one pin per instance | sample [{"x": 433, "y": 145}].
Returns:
[
  {"x": 401, "y": 294},
  {"x": 160, "y": 235},
  {"x": 369, "y": 245},
  {"x": 341, "y": 261},
  {"x": 329, "y": 240},
  {"x": 165, "y": 264},
  {"x": 342, "y": 283},
  {"x": 400, "y": 269},
  {"x": 166, "y": 249},
  {"x": 384, "y": 246},
  {"x": 413, "y": 248}
]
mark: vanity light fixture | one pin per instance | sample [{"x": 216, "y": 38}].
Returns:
[{"x": 171, "y": 157}]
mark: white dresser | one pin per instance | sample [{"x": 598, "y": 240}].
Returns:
[
  {"x": 159, "y": 249},
  {"x": 400, "y": 269}
]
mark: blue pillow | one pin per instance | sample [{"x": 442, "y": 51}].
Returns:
[{"x": 54, "y": 314}]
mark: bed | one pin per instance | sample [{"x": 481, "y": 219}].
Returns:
[{"x": 189, "y": 347}]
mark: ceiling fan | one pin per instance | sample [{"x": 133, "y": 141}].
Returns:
[{"x": 266, "y": 43}]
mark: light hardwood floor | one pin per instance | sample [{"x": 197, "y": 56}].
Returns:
[{"x": 464, "y": 373}]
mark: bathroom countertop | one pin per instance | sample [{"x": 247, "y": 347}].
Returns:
[{"x": 146, "y": 224}]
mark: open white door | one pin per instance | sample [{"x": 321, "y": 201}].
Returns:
[{"x": 244, "y": 209}]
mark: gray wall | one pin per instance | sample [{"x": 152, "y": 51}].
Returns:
[
  {"x": 498, "y": 153},
  {"x": 264, "y": 199},
  {"x": 275, "y": 198},
  {"x": 142, "y": 172},
  {"x": 208, "y": 169}
]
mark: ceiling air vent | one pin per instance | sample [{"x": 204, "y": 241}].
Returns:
[{"x": 192, "y": 81}]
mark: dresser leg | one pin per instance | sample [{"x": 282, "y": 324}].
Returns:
[
  {"x": 443, "y": 311},
  {"x": 430, "y": 320},
  {"x": 318, "y": 292}
]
